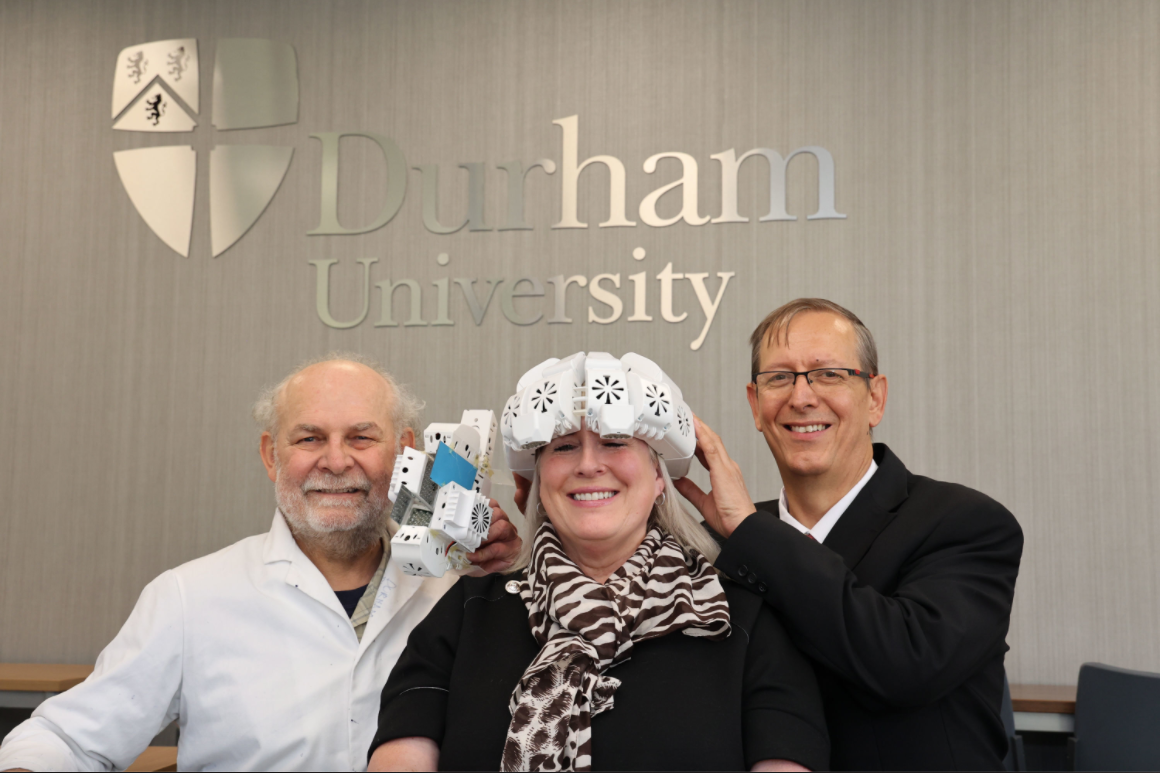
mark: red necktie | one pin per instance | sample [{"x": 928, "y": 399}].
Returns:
[{"x": 810, "y": 536}]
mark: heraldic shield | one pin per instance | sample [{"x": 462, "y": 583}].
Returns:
[{"x": 156, "y": 88}]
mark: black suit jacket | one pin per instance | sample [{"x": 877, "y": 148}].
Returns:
[{"x": 904, "y": 612}]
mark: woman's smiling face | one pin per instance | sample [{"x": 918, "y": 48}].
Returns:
[{"x": 598, "y": 493}]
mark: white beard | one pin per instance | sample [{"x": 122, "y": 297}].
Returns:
[{"x": 340, "y": 536}]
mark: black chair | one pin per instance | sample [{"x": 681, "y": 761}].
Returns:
[
  {"x": 1015, "y": 759},
  {"x": 1116, "y": 712}
]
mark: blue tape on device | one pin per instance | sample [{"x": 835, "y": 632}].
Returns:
[{"x": 450, "y": 466}]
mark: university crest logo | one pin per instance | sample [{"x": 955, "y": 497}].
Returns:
[{"x": 156, "y": 88}]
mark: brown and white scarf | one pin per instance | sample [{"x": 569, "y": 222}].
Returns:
[{"x": 584, "y": 628}]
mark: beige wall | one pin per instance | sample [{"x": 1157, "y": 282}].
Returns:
[{"x": 998, "y": 163}]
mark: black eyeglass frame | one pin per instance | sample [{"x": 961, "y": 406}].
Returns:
[{"x": 806, "y": 373}]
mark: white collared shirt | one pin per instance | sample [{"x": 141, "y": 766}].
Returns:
[
  {"x": 251, "y": 651},
  {"x": 822, "y": 528}
]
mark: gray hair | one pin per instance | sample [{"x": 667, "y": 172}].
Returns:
[
  {"x": 669, "y": 516},
  {"x": 405, "y": 406},
  {"x": 776, "y": 324}
]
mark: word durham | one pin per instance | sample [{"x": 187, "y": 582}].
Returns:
[
  {"x": 570, "y": 169},
  {"x": 530, "y": 300}
]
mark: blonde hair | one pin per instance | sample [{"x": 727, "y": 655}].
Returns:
[{"x": 668, "y": 515}]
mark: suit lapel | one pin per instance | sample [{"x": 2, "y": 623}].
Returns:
[{"x": 872, "y": 510}]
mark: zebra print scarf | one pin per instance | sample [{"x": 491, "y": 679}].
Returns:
[{"x": 584, "y": 628}]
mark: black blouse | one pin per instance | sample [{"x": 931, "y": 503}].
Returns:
[{"x": 684, "y": 702}]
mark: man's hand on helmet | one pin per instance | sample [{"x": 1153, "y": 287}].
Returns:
[{"x": 727, "y": 503}]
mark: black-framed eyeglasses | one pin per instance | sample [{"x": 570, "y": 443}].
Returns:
[{"x": 824, "y": 378}]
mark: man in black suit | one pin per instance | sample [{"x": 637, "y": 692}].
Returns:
[{"x": 896, "y": 586}]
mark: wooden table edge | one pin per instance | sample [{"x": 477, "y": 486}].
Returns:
[
  {"x": 42, "y": 677},
  {"x": 1043, "y": 699},
  {"x": 156, "y": 758}
]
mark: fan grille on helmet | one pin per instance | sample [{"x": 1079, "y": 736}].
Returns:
[
  {"x": 608, "y": 389},
  {"x": 544, "y": 397},
  {"x": 510, "y": 411},
  {"x": 657, "y": 399}
]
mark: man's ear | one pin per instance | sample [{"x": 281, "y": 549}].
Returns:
[
  {"x": 878, "y": 390},
  {"x": 751, "y": 393},
  {"x": 266, "y": 451},
  {"x": 407, "y": 439}
]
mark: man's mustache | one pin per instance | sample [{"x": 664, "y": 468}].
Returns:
[{"x": 318, "y": 481}]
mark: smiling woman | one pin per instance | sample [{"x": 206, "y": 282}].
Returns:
[
  {"x": 602, "y": 494},
  {"x": 515, "y": 671}
]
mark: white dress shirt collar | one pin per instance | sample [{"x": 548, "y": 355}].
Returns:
[{"x": 822, "y": 528}]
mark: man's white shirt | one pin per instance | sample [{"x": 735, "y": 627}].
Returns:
[
  {"x": 251, "y": 650},
  {"x": 823, "y": 527}
]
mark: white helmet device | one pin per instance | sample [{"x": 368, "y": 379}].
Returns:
[
  {"x": 441, "y": 496},
  {"x": 615, "y": 398}
]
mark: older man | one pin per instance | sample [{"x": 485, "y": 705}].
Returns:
[
  {"x": 897, "y": 587},
  {"x": 270, "y": 653}
]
